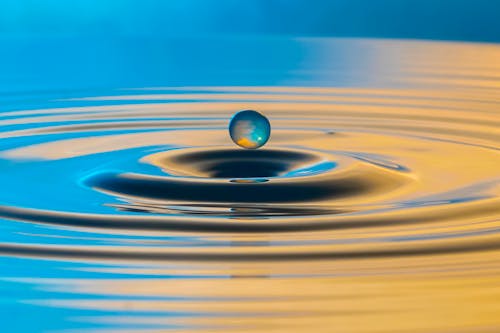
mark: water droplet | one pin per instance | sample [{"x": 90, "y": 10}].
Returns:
[{"x": 249, "y": 129}]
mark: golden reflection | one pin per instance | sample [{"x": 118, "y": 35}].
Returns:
[{"x": 456, "y": 293}]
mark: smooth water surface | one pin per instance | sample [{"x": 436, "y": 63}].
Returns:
[{"x": 374, "y": 207}]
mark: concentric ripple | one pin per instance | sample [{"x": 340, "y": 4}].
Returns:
[
  {"x": 374, "y": 171},
  {"x": 352, "y": 175}
]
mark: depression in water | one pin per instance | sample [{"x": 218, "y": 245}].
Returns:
[{"x": 249, "y": 129}]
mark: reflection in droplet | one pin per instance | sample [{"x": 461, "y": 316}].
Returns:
[{"x": 249, "y": 129}]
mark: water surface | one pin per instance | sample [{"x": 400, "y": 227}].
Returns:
[{"x": 374, "y": 207}]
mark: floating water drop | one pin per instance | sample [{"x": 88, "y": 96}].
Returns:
[{"x": 249, "y": 129}]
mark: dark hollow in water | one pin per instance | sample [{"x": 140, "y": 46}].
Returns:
[
  {"x": 237, "y": 163},
  {"x": 236, "y": 176},
  {"x": 160, "y": 188},
  {"x": 246, "y": 169}
]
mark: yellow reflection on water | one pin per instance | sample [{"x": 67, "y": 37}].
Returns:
[{"x": 437, "y": 293}]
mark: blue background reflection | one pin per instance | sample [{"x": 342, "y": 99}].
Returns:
[{"x": 424, "y": 19}]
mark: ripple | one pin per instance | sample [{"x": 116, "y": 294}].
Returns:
[
  {"x": 390, "y": 166},
  {"x": 376, "y": 200}
]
